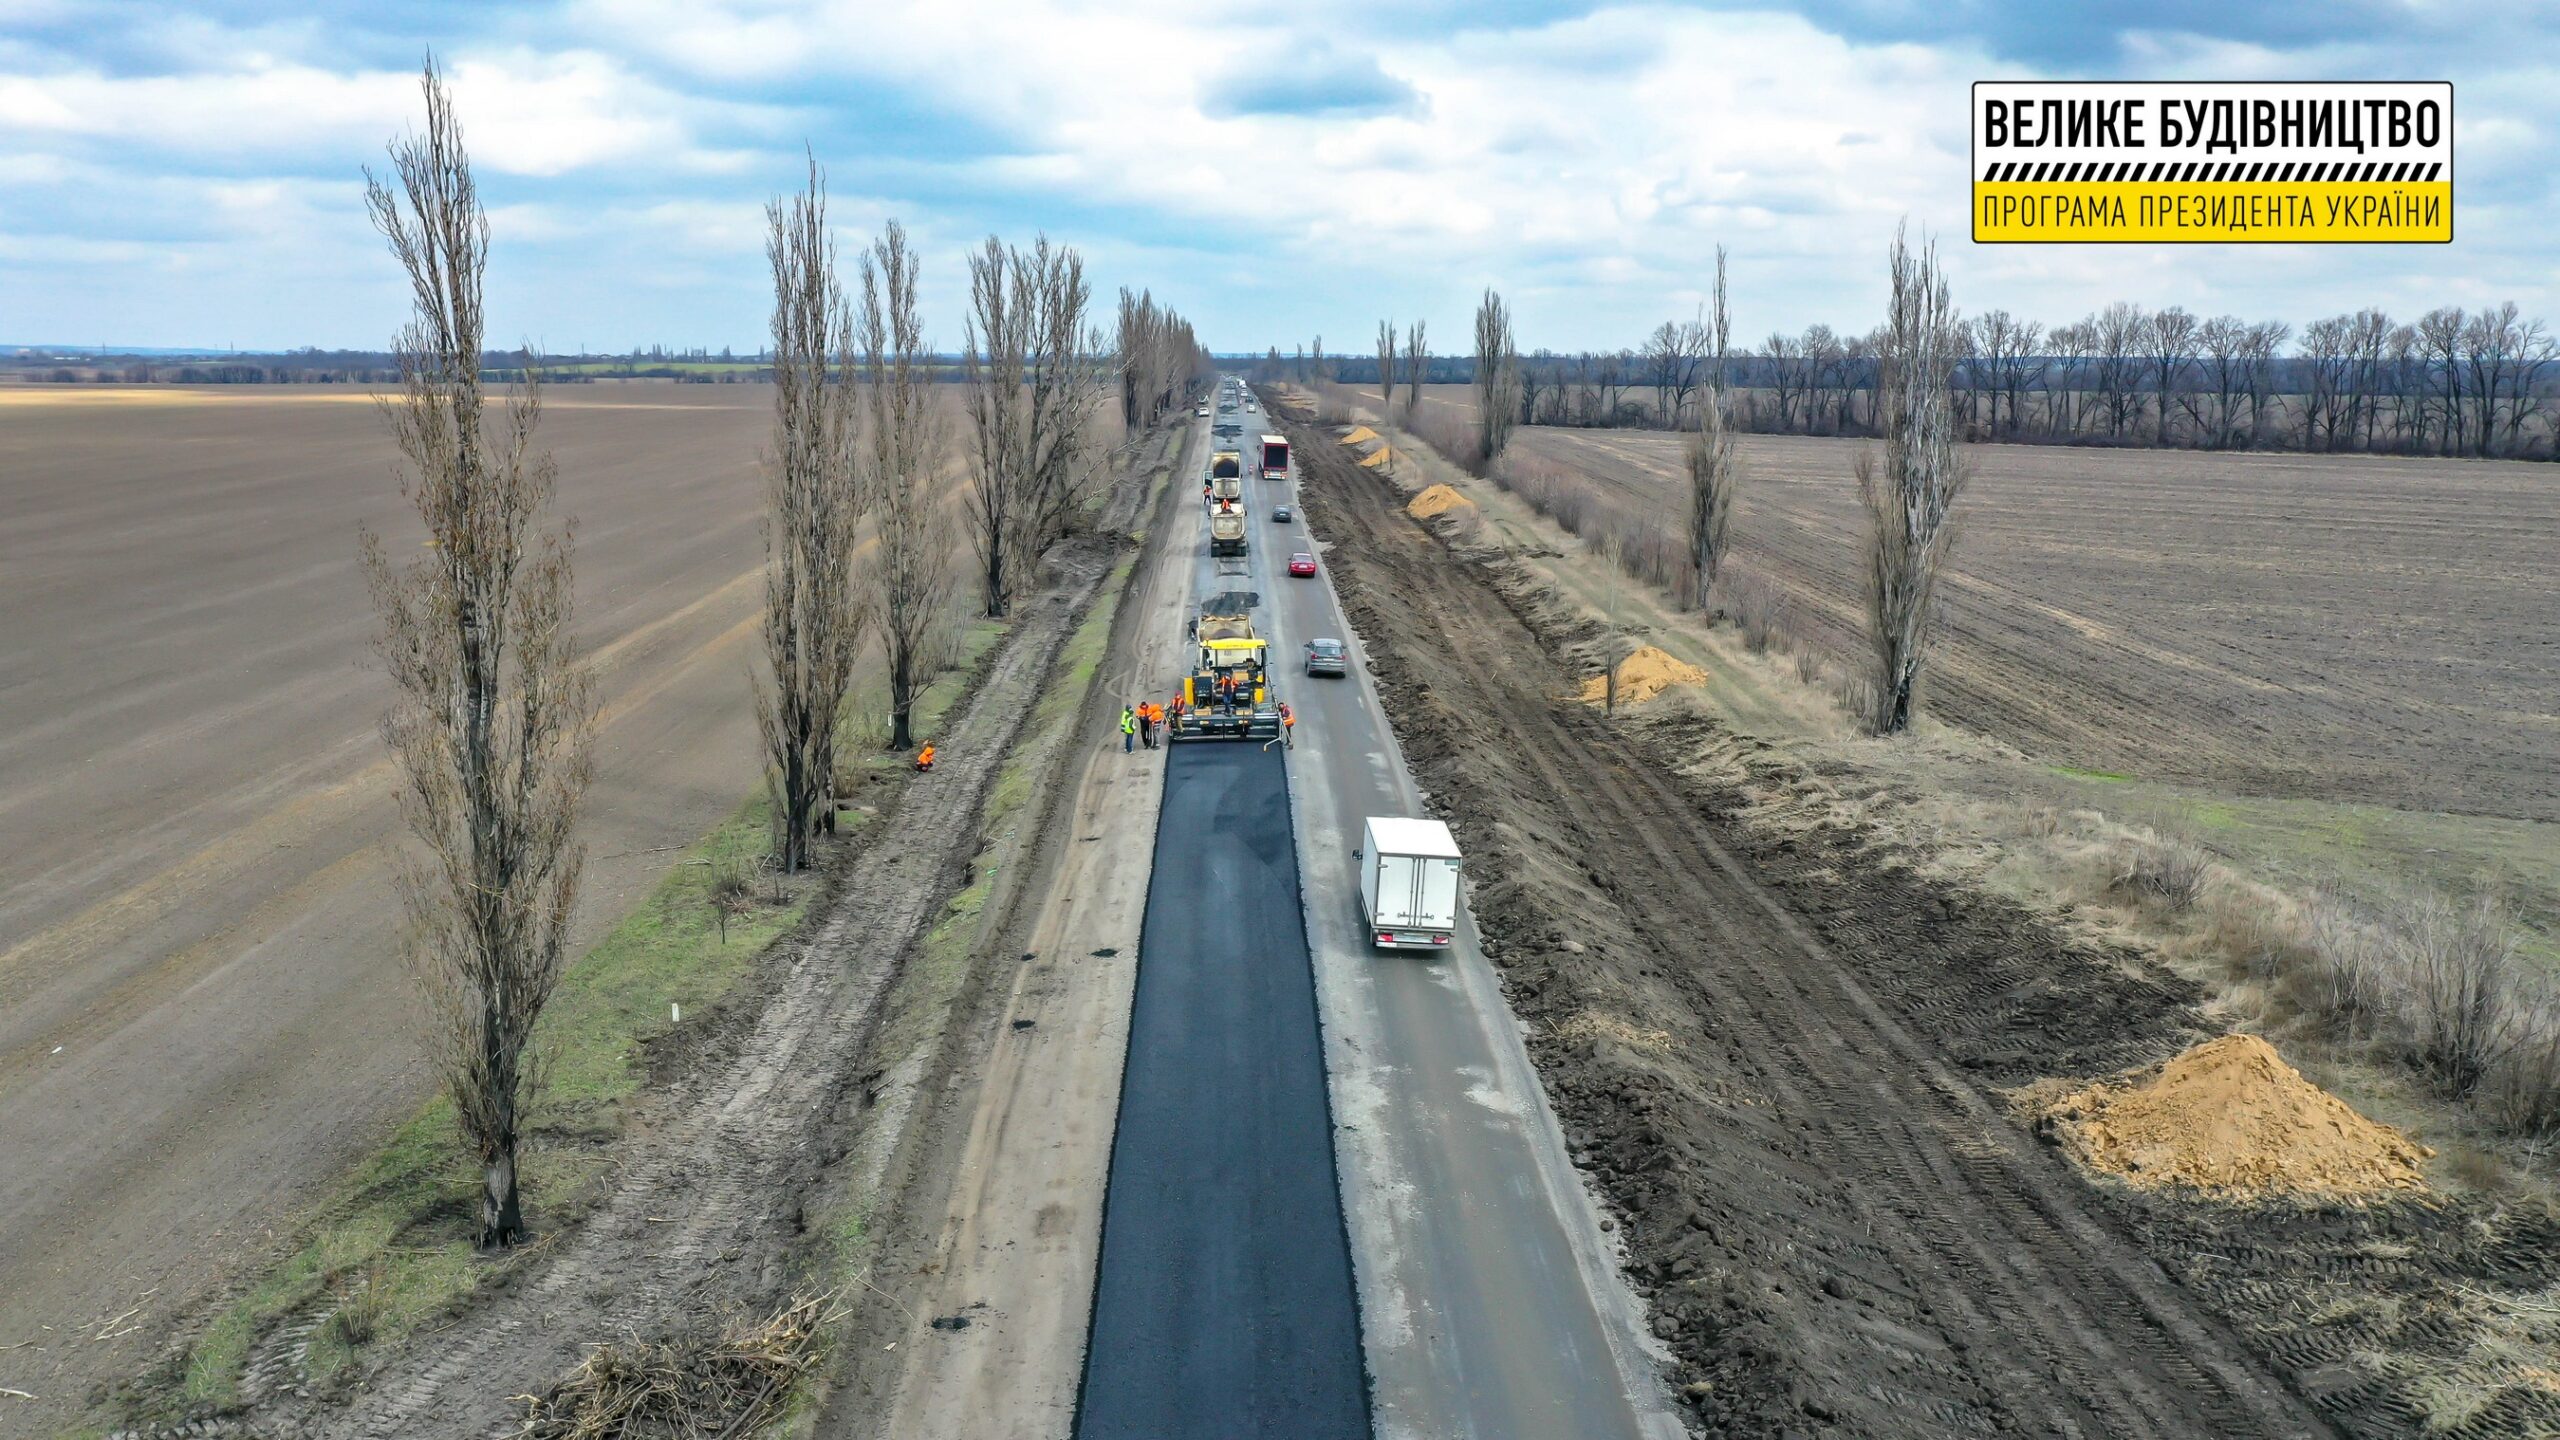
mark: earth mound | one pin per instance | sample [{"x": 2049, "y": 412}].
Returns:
[
  {"x": 1438, "y": 500},
  {"x": 2231, "y": 1117},
  {"x": 1641, "y": 676}
]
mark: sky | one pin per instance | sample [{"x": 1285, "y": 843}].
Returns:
[{"x": 183, "y": 175}]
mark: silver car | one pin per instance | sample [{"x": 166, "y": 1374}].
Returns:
[{"x": 1328, "y": 657}]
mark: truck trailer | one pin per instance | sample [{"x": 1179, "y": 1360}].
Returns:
[
  {"x": 1275, "y": 457},
  {"x": 1409, "y": 882},
  {"x": 1226, "y": 529}
]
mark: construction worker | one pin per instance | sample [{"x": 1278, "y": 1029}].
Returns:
[
  {"x": 1288, "y": 726},
  {"x": 1179, "y": 709},
  {"x": 1128, "y": 729},
  {"x": 1147, "y": 723},
  {"x": 924, "y": 757}
]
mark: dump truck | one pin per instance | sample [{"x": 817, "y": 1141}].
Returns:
[
  {"x": 1226, "y": 529},
  {"x": 1226, "y": 475},
  {"x": 1275, "y": 457},
  {"x": 1409, "y": 882}
]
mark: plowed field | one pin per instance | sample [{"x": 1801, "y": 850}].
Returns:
[{"x": 2335, "y": 628}]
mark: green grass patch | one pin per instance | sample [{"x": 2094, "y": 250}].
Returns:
[
  {"x": 864, "y": 728},
  {"x": 2101, "y": 777},
  {"x": 393, "y": 1238}
]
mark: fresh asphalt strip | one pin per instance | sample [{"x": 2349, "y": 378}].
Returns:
[{"x": 1225, "y": 1303}]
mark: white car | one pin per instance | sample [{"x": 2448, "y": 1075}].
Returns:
[{"x": 1200, "y": 410}]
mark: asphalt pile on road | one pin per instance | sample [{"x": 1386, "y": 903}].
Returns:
[
  {"x": 2230, "y": 1116},
  {"x": 1784, "y": 1059}
]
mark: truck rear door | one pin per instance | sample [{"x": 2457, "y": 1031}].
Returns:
[
  {"x": 1435, "y": 884},
  {"x": 1399, "y": 886}
]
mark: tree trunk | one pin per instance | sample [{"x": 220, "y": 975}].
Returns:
[{"x": 902, "y": 703}]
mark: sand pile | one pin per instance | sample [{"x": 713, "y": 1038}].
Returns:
[
  {"x": 1359, "y": 435},
  {"x": 2230, "y": 1116},
  {"x": 1641, "y": 676},
  {"x": 1383, "y": 455},
  {"x": 1438, "y": 500}
]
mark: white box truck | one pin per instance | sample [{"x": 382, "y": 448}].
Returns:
[{"x": 1409, "y": 882}]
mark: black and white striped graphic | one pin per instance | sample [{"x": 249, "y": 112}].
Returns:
[{"x": 2214, "y": 172}]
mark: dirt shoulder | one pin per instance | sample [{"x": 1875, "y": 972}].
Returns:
[
  {"x": 1774, "y": 1062},
  {"x": 989, "y": 1252},
  {"x": 2420, "y": 1313}
]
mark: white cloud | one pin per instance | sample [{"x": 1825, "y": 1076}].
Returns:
[
  {"x": 523, "y": 114},
  {"x": 1588, "y": 166}
]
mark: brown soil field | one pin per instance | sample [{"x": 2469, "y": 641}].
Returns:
[
  {"x": 201, "y": 1012},
  {"x": 1784, "y": 1060},
  {"x": 2372, "y": 630}
]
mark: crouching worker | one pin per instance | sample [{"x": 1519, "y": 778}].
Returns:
[{"x": 924, "y": 757}]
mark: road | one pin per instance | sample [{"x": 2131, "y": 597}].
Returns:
[
  {"x": 1489, "y": 1303},
  {"x": 1224, "y": 1305},
  {"x": 199, "y": 993}
]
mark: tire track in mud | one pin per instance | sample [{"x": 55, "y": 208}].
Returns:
[
  {"x": 707, "y": 1209},
  {"x": 1834, "y": 1225}
]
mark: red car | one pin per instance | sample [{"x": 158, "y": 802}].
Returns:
[{"x": 1302, "y": 563}]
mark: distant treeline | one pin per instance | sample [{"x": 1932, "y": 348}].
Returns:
[
  {"x": 2451, "y": 382},
  {"x": 374, "y": 367}
]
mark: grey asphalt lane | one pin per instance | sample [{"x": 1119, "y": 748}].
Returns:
[
  {"x": 1224, "y": 1305},
  {"x": 1491, "y": 1302}
]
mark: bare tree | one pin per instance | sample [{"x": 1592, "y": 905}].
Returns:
[
  {"x": 1036, "y": 382},
  {"x": 2071, "y": 345},
  {"x": 1387, "y": 365},
  {"x": 1719, "y": 336},
  {"x": 1911, "y": 502},
  {"x": 1161, "y": 361},
  {"x": 1068, "y": 386},
  {"x": 1715, "y": 474},
  {"x": 1497, "y": 377},
  {"x": 494, "y": 710},
  {"x": 1417, "y": 365},
  {"x": 812, "y": 626},
  {"x": 2265, "y": 340},
  {"x": 1610, "y": 374},
  {"x": 2116, "y": 335},
  {"x": 1787, "y": 377},
  {"x": 1714, "y": 471},
  {"x": 900, "y": 459},
  {"x": 994, "y": 358},
  {"x": 2169, "y": 347},
  {"x": 2223, "y": 342}
]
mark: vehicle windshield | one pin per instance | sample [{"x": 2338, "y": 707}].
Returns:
[{"x": 1326, "y": 647}]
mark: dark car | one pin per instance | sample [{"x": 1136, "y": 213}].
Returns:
[
  {"x": 1328, "y": 657},
  {"x": 1302, "y": 564},
  {"x": 1280, "y": 515}
]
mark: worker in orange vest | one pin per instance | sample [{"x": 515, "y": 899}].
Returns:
[
  {"x": 1288, "y": 726},
  {"x": 924, "y": 757}
]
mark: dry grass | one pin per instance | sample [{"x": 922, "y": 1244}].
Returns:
[
  {"x": 689, "y": 1389},
  {"x": 2168, "y": 869}
]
